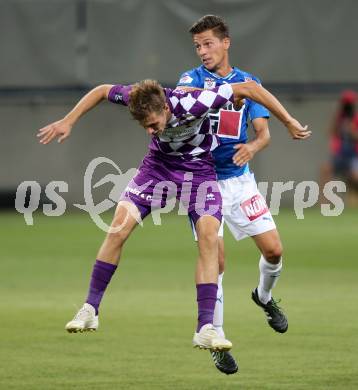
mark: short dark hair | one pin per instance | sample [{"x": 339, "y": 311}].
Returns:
[
  {"x": 211, "y": 22},
  {"x": 146, "y": 97}
]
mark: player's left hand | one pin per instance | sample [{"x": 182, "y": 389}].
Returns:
[
  {"x": 297, "y": 131},
  {"x": 245, "y": 152}
]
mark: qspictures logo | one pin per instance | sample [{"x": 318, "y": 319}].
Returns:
[{"x": 305, "y": 195}]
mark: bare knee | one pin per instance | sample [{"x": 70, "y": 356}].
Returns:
[
  {"x": 269, "y": 244},
  {"x": 116, "y": 240},
  {"x": 207, "y": 229},
  {"x": 273, "y": 253},
  {"x": 122, "y": 225},
  {"x": 209, "y": 239}
]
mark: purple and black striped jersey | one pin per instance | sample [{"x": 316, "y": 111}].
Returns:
[{"x": 229, "y": 124}]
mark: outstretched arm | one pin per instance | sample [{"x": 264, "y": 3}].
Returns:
[
  {"x": 62, "y": 129},
  {"x": 259, "y": 94}
]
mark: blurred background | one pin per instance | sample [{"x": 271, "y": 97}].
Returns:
[{"x": 52, "y": 52}]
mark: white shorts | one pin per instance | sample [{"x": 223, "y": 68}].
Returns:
[{"x": 244, "y": 209}]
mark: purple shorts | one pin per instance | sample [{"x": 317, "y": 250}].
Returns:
[{"x": 161, "y": 180}]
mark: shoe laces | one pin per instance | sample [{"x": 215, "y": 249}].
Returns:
[
  {"x": 210, "y": 330},
  {"x": 218, "y": 356},
  {"x": 82, "y": 314},
  {"x": 274, "y": 304}
]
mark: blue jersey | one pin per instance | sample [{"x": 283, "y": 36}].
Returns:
[{"x": 229, "y": 124}]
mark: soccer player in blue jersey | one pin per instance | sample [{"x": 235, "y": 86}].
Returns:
[
  {"x": 181, "y": 143},
  {"x": 244, "y": 209}
]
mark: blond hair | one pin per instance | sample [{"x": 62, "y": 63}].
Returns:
[{"x": 146, "y": 97}]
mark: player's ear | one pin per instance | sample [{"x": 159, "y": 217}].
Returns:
[
  {"x": 167, "y": 111},
  {"x": 226, "y": 42}
]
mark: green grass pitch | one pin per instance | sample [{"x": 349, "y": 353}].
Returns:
[{"x": 147, "y": 317}]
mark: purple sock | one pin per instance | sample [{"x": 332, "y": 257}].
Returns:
[
  {"x": 101, "y": 276},
  {"x": 206, "y": 297}
]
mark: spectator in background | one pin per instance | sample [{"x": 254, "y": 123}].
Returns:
[{"x": 343, "y": 142}]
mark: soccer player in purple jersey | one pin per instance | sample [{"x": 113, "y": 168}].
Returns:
[
  {"x": 181, "y": 144},
  {"x": 244, "y": 208}
]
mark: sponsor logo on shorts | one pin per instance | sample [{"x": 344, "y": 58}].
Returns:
[
  {"x": 132, "y": 190},
  {"x": 138, "y": 192},
  {"x": 254, "y": 207}
]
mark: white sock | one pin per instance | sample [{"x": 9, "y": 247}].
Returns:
[
  {"x": 219, "y": 308},
  {"x": 269, "y": 274}
]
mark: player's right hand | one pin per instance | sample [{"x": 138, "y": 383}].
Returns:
[
  {"x": 60, "y": 129},
  {"x": 297, "y": 131}
]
